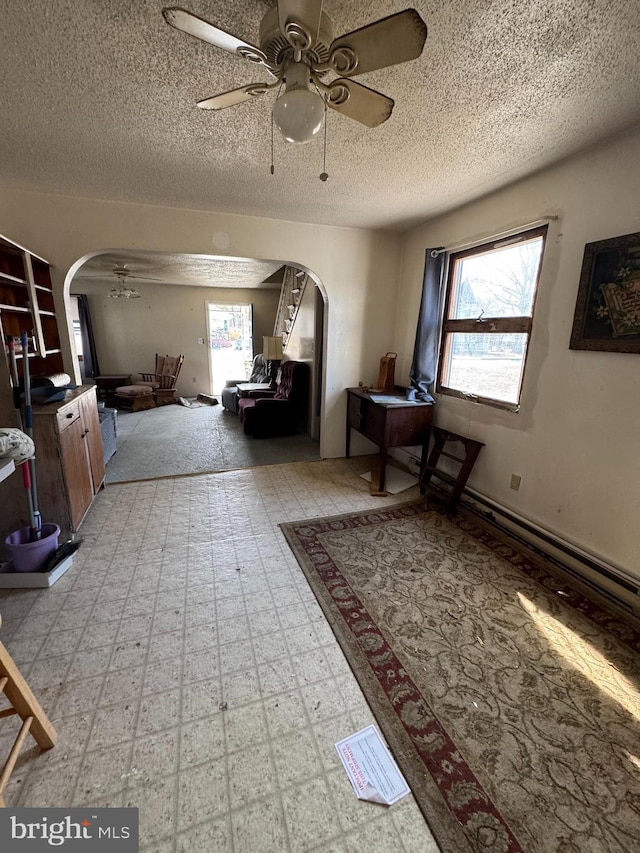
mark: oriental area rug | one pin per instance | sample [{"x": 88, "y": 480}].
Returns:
[{"x": 510, "y": 701}]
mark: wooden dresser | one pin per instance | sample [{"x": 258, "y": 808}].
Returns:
[{"x": 69, "y": 464}]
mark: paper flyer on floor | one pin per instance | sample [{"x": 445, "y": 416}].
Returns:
[{"x": 370, "y": 767}]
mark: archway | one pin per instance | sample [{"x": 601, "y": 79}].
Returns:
[{"x": 141, "y": 315}]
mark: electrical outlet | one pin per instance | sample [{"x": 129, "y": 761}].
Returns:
[
  {"x": 201, "y": 341},
  {"x": 516, "y": 479}
]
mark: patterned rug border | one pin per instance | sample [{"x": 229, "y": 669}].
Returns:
[{"x": 443, "y": 784}]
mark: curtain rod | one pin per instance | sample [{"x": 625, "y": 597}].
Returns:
[{"x": 495, "y": 237}]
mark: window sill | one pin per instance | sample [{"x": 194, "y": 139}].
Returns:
[{"x": 485, "y": 401}]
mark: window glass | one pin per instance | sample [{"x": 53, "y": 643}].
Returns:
[
  {"x": 487, "y": 365},
  {"x": 488, "y": 318},
  {"x": 498, "y": 283}
]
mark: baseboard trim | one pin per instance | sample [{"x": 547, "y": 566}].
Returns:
[{"x": 604, "y": 578}]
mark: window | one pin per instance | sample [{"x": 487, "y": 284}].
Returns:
[{"x": 491, "y": 291}]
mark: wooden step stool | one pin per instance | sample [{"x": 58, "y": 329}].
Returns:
[
  {"x": 441, "y": 438},
  {"x": 23, "y": 703}
]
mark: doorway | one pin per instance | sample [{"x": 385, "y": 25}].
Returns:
[{"x": 230, "y": 341}]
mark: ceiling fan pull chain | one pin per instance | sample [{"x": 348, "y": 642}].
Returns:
[
  {"x": 324, "y": 175},
  {"x": 273, "y": 168}
]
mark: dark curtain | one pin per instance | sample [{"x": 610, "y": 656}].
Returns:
[
  {"x": 89, "y": 354},
  {"x": 425, "y": 353}
]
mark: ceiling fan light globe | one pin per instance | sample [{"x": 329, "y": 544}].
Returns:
[{"x": 298, "y": 115}]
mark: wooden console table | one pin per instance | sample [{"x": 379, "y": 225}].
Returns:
[
  {"x": 398, "y": 423},
  {"x": 245, "y": 388},
  {"x": 107, "y": 384}
]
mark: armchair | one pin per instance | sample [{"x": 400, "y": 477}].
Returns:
[
  {"x": 163, "y": 380},
  {"x": 266, "y": 414},
  {"x": 230, "y": 394}
]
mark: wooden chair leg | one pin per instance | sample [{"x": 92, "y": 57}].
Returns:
[
  {"x": 15, "y": 752},
  {"x": 24, "y": 704},
  {"x": 472, "y": 449}
]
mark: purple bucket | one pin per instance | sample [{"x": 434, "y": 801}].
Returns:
[{"x": 28, "y": 556}]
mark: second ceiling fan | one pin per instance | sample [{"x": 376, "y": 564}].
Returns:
[{"x": 298, "y": 49}]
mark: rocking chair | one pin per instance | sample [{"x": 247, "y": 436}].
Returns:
[{"x": 163, "y": 380}]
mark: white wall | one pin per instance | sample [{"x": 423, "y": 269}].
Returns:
[
  {"x": 575, "y": 441},
  {"x": 358, "y": 268},
  {"x": 301, "y": 342},
  {"x": 166, "y": 319}
]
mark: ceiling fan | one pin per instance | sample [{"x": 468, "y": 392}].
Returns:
[
  {"x": 120, "y": 289},
  {"x": 298, "y": 49}
]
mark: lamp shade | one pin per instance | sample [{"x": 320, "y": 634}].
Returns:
[
  {"x": 272, "y": 348},
  {"x": 299, "y": 112},
  {"x": 299, "y": 115}
]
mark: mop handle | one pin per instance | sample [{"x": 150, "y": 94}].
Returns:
[
  {"x": 26, "y": 475},
  {"x": 36, "y": 532},
  {"x": 27, "y": 381},
  {"x": 36, "y": 520},
  {"x": 26, "y": 479}
]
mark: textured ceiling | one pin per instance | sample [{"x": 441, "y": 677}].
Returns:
[
  {"x": 182, "y": 269},
  {"x": 99, "y": 100}
]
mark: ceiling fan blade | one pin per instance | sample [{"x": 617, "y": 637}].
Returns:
[
  {"x": 233, "y": 97},
  {"x": 203, "y": 30},
  {"x": 122, "y": 273},
  {"x": 362, "y": 104},
  {"x": 144, "y": 277},
  {"x": 391, "y": 40},
  {"x": 303, "y": 12}
]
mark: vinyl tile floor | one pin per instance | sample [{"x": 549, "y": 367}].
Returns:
[{"x": 190, "y": 673}]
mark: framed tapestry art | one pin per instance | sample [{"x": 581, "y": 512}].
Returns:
[{"x": 607, "y": 316}]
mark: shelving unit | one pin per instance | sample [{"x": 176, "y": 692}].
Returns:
[
  {"x": 26, "y": 305},
  {"x": 69, "y": 456}
]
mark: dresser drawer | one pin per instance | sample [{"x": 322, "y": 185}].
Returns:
[
  {"x": 67, "y": 416},
  {"x": 354, "y": 411}
]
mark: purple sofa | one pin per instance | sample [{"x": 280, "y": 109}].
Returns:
[{"x": 280, "y": 412}]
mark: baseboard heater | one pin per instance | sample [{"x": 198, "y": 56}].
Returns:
[{"x": 605, "y": 579}]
